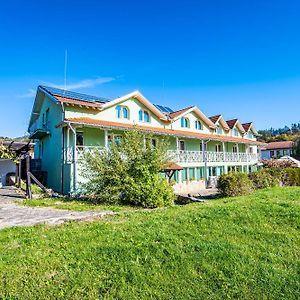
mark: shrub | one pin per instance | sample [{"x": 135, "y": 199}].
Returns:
[
  {"x": 129, "y": 173},
  {"x": 264, "y": 179},
  {"x": 235, "y": 184},
  {"x": 291, "y": 177},
  {"x": 275, "y": 163}
]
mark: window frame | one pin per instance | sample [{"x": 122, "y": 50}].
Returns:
[
  {"x": 142, "y": 114},
  {"x": 180, "y": 143},
  {"x": 120, "y": 112},
  {"x": 198, "y": 125},
  {"x": 185, "y": 122},
  {"x": 218, "y": 148},
  {"x": 78, "y": 133}
]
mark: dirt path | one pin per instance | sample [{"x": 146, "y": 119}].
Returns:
[{"x": 12, "y": 214}]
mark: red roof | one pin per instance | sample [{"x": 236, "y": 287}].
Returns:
[
  {"x": 179, "y": 112},
  {"x": 231, "y": 123},
  {"x": 280, "y": 145},
  {"x": 247, "y": 126},
  {"x": 78, "y": 102},
  {"x": 214, "y": 119},
  {"x": 167, "y": 131}
]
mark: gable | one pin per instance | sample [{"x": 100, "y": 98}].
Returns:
[
  {"x": 110, "y": 114},
  {"x": 192, "y": 117},
  {"x": 42, "y": 102}
]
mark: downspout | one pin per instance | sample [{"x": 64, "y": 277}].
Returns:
[
  {"x": 63, "y": 149},
  {"x": 74, "y": 156}
]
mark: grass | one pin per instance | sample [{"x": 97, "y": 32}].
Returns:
[
  {"x": 242, "y": 248},
  {"x": 76, "y": 205}
]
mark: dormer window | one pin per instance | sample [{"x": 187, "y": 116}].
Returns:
[
  {"x": 250, "y": 135},
  {"x": 218, "y": 130},
  {"x": 198, "y": 125},
  {"x": 185, "y": 122},
  {"x": 235, "y": 132},
  {"x": 122, "y": 112},
  {"x": 144, "y": 116}
]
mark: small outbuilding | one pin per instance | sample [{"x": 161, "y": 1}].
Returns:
[{"x": 7, "y": 166}]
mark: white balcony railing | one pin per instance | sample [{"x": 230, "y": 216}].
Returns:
[
  {"x": 81, "y": 151},
  {"x": 184, "y": 156},
  {"x": 179, "y": 156}
]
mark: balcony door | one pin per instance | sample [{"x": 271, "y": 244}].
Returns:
[
  {"x": 202, "y": 147},
  {"x": 79, "y": 139},
  {"x": 235, "y": 149},
  {"x": 181, "y": 145},
  {"x": 218, "y": 148}
]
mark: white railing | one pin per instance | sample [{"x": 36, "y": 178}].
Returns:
[
  {"x": 185, "y": 156},
  {"x": 179, "y": 156},
  {"x": 81, "y": 151}
]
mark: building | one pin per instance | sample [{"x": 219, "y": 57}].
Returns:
[
  {"x": 66, "y": 124},
  {"x": 278, "y": 149},
  {"x": 7, "y": 166}
]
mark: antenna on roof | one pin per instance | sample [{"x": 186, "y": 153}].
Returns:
[
  {"x": 66, "y": 65},
  {"x": 163, "y": 90}
]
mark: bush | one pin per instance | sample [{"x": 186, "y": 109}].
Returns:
[
  {"x": 235, "y": 184},
  {"x": 264, "y": 179},
  {"x": 128, "y": 173},
  {"x": 148, "y": 191},
  {"x": 291, "y": 177},
  {"x": 275, "y": 163}
]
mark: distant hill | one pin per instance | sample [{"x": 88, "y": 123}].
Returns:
[
  {"x": 24, "y": 138},
  {"x": 285, "y": 133}
]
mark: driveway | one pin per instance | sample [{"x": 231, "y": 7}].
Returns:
[{"x": 12, "y": 214}]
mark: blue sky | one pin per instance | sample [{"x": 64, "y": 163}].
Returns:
[{"x": 237, "y": 58}]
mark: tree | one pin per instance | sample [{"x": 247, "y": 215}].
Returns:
[
  {"x": 7, "y": 153},
  {"x": 129, "y": 172}
]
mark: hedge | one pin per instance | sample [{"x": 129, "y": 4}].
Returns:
[{"x": 236, "y": 184}]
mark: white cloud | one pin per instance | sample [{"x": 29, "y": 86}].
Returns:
[{"x": 85, "y": 83}]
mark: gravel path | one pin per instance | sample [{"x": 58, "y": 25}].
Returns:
[{"x": 12, "y": 214}]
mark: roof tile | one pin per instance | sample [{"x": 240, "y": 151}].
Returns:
[{"x": 167, "y": 131}]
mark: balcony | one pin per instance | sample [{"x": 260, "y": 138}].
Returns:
[
  {"x": 184, "y": 156},
  {"x": 81, "y": 151},
  {"x": 178, "y": 156},
  {"x": 38, "y": 131}
]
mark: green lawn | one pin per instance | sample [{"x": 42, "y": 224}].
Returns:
[
  {"x": 238, "y": 248},
  {"x": 76, "y": 205}
]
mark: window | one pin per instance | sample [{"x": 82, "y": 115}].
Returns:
[
  {"x": 185, "y": 122},
  {"x": 181, "y": 145},
  {"x": 198, "y": 125},
  {"x": 116, "y": 138},
  {"x": 79, "y": 138},
  {"x": 218, "y": 130},
  {"x": 235, "y": 132},
  {"x": 234, "y": 149},
  {"x": 218, "y": 148},
  {"x": 250, "y": 135},
  {"x": 47, "y": 117},
  {"x": 251, "y": 150},
  {"x": 153, "y": 142},
  {"x": 122, "y": 112},
  {"x": 144, "y": 116}
]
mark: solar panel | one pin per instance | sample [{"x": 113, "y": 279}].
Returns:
[
  {"x": 163, "y": 109},
  {"x": 78, "y": 96}
]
